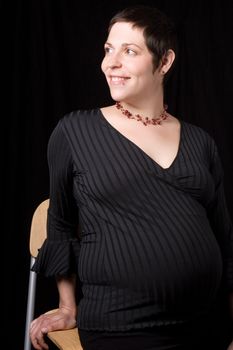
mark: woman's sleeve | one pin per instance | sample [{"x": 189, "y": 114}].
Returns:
[
  {"x": 59, "y": 253},
  {"x": 220, "y": 219}
]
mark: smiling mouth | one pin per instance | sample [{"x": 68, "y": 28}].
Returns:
[{"x": 117, "y": 80}]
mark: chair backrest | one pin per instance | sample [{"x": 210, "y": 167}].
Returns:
[
  {"x": 66, "y": 339},
  {"x": 38, "y": 227}
]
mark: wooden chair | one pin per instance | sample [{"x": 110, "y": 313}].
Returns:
[{"x": 65, "y": 339}]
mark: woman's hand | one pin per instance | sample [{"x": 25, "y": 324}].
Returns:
[{"x": 59, "y": 319}]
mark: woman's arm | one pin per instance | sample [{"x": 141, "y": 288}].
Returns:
[
  {"x": 66, "y": 288},
  {"x": 59, "y": 253},
  {"x": 63, "y": 318}
]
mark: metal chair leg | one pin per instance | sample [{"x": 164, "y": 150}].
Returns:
[{"x": 30, "y": 306}]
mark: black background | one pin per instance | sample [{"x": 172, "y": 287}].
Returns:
[{"x": 51, "y": 52}]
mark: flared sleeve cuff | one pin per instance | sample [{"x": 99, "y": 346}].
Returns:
[{"x": 57, "y": 258}]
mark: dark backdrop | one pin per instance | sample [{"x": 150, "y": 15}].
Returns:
[{"x": 51, "y": 52}]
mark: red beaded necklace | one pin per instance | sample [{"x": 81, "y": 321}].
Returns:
[{"x": 144, "y": 120}]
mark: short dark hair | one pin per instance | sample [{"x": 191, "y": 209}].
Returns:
[{"x": 158, "y": 29}]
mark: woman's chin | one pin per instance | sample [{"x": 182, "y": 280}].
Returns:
[{"x": 116, "y": 96}]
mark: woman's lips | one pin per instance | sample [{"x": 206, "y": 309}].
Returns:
[{"x": 117, "y": 80}]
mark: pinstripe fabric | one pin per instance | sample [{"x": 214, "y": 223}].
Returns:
[{"x": 154, "y": 244}]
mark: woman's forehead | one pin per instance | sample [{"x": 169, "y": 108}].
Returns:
[{"x": 126, "y": 33}]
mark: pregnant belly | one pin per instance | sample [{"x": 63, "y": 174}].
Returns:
[{"x": 176, "y": 268}]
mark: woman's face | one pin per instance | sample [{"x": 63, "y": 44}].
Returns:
[{"x": 128, "y": 65}]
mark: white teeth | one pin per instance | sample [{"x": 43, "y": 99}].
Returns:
[{"x": 117, "y": 79}]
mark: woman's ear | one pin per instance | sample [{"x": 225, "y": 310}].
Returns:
[{"x": 167, "y": 61}]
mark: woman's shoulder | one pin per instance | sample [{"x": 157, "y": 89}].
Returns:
[
  {"x": 198, "y": 136},
  {"x": 196, "y": 131},
  {"x": 74, "y": 123},
  {"x": 80, "y": 116}
]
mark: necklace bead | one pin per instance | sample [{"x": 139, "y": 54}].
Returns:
[{"x": 145, "y": 120}]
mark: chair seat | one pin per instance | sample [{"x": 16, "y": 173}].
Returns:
[{"x": 67, "y": 339}]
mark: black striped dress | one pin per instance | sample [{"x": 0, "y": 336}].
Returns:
[{"x": 153, "y": 245}]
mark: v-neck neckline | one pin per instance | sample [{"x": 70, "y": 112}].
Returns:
[{"x": 133, "y": 144}]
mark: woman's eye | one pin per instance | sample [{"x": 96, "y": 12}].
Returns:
[
  {"x": 130, "y": 52},
  {"x": 108, "y": 49}
]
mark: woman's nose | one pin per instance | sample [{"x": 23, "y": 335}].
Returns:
[{"x": 114, "y": 61}]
